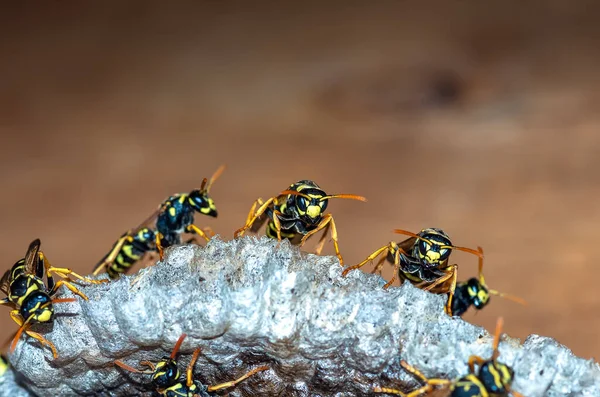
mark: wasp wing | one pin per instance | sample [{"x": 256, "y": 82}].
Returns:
[
  {"x": 31, "y": 257},
  {"x": 5, "y": 282},
  {"x": 407, "y": 245}
]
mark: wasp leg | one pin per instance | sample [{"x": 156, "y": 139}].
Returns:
[
  {"x": 159, "y": 247},
  {"x": 321, "y": 242},
  {"x": 208, "y": 231},
  {"x": 256, "y": 203},
  {"x": 421, "y": 390},
  {"x": 195, "y": 229},
  {"x": 379, "y": 267},
  {"x": 67, "y": 273},
  {"x": 370, "y": 258},
  {"x": 190, "y": 369},
  {"x": 327, "y": 219},
  {"x": 451, "y": 293},
  {"x": 277, "y": 223},
  {"x": 451, "y": 273},
  {"x": 24, "y": 327},
  {"x": 396, "y": 268},
  {"x": 112, "y": 255},
  {"x": 473, "y": 360},
  {"x": 429, "y": 383},
  {"x": 238, "y": 380},
  {"x": 70, "y": 286},
  {"x": 251, "y": 219}
]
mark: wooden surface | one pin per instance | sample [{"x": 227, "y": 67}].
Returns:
[{"x": 481, "y": 120}]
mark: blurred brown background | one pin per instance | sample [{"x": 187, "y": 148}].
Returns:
[{"x": 478, "y": 118}]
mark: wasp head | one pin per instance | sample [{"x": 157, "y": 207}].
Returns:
[
  {"x": 201, "y": 202},
  {"x": 311, "y": 205},
  {"x": 199, "y": 198},
  {"x": 433, "y": 247},
  {"x": 37, "y": 307},
  {"x": 496, "y": 377},
  {"x": 166, "y": 373},
  {"x": 478, "y": 293}
]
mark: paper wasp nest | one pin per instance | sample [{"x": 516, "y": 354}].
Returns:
[{"x": 251, "y": 301}]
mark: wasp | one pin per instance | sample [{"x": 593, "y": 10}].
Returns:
[
  {"x": 176, "y": 214},
  {"x": 475, "y": 292},
  {"x": 167, "y": 379},
  {"x": 127, "y": 251},
  {"x": 421, "y": 259},
  {"x": 162, "y": 229},
  {"x": 491, "y": 378},
  {"x": 298, "y": 211},
  {"x": 31, "y": 299}
]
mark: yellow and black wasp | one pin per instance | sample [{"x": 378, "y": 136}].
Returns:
[
  {"x": 421, "y": 259},
  {"x": 492, "y": 378},
  {"x": 162, "y": 229},
  {"x": 127, "y": 251},
  {"x": 30, "y": 298},
  {"x": 167, "y": 379},
  {"x": 297, "y": 212},
  {"x": 475, "y": 292}
]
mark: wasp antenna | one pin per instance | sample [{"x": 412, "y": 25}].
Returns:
[
  {"x": 411, "y": 234},
  {"x": 190, "y": 368},
  {"x": 177, "y": 346},
  {"x": 63, "y": 300},
  {"x": 203, "y": 185},
  {"x": 509, "y": 297},
  {"x": 214, "y": 177},
  {"x": 499, "y": 325},
  {"x": 121, "y": 364},
  {"x": 481, "y": 279},
  {"x": 344, "y": 196},
  {"x": 15, "y": 340},
  {"x": 469, "y": 250},
  {"x": 294, "y": 193}
]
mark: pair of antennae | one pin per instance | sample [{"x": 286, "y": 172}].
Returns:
[
  {"x": 151, "y": 371},
  {"x": 452, "y": 247},
  {"x": 206, "y": 184},
  {"x": 327, "y": 197},
  {"x": 493, "y": 291}
]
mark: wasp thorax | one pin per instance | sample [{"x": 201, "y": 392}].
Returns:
[
  {"x": 166, "y": 373},
  {"x": 496, "y": 377},
  {"x": 21, "y": 285}
]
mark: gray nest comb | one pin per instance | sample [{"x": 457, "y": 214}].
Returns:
[{"x": 250, "y": 302}]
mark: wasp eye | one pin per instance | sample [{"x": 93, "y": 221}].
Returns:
[
  {"x": 302, "y": 203},
  {"x": 323, "y": 204},
  {"x": 444, "y": 251}
]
